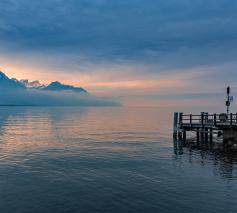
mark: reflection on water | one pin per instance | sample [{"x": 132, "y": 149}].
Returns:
[
  {"x": 224, "y": 163},
  {"x": 107, "y": 160}
]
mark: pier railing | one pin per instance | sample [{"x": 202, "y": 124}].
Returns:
[
  {"x": 223, "y": 126},
  {"x": 207, "y": 120}
]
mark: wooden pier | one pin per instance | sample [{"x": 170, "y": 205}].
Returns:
[{"x": 205, "y": 125}]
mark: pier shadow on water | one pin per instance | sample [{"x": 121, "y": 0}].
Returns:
[{"x": 223, "y": 161}]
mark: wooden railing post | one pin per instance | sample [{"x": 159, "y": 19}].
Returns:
[
  {"x": 198, "y": 135},
  {"x": 191, "y": 120},
  {"x": 180, "y": 118},
  {"x": 202, "y": 118},
  {"x": 231, "y": 119},
  {"x": 206, "y": 117},
  {"x": 215, "y": 119}
]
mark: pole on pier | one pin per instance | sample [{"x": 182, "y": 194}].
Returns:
[
  {"x": 229, "y": 100},
  {"x": 227, "y": 103}
]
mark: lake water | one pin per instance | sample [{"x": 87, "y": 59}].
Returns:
[{"x": 106, "y": 160}]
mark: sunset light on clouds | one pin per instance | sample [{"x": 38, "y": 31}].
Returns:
[{"x": 126, "y": 50}]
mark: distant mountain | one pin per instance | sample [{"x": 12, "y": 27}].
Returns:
[
  {"x": 57, "y": 86},
  {"x": 10, "y": 84},
  {"x": 25, "y": 93},
  {"x": 31, "y": 84}
]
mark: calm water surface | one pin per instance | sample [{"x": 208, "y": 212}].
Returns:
[{"x": 106, "y": 160}]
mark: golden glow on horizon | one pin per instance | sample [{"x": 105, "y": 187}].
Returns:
[
  {"x": 91, "y": 81},
  {"x": 115, "y": 82}
]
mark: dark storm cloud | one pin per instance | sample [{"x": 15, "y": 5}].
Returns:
[{"x": 171, "y": 33}]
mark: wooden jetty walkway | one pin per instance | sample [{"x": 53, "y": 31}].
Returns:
[{"x": 204, "y": 124}]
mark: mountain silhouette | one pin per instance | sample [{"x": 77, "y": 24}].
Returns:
[
  {"x": 25, "y": 93},
  {"x": 12, "y": 83},
  {"x": 9, "y": 84},
  {"x": 57, "y": 86}
]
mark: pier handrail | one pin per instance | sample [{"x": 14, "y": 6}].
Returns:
[
  {"x": 208, "y": 119},
  {"x": 223, "y": 126}
]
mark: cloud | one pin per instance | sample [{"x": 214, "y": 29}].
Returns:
[
  {"x": 123, "y": 42},
  {"x": 112, "y": 30}
]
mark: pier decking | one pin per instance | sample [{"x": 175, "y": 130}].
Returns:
[{"x": 205, "y": 124}]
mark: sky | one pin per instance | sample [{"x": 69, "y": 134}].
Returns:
[{"x": 142, "y": 52}]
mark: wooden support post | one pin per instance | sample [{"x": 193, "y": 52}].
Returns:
[
  {"x": 202, "y": 134},
  {"x": 202, "y": 119},
  {"x": 191, "y": 120},
  {"x": 180, "y": 136},
  {"x": 175, "y": 125},
  {"x": 180, "y": 119},
  {"x": 231, "y": 119},
  {"x": 202, "y": 129},
  {"x": 184, "y": 136},
  {"x": 206, "y": 117},
  {"x": 211, "y": 136},
  {"x": 215, "y": 119},
  {"x": 206, "y": 135},
  {"x": 198, "y": 135}
]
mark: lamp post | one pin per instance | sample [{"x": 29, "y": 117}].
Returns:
[{"x": 229, "y": 100}]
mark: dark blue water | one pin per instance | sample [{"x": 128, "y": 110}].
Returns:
[{"x": 106, "y": 160}]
